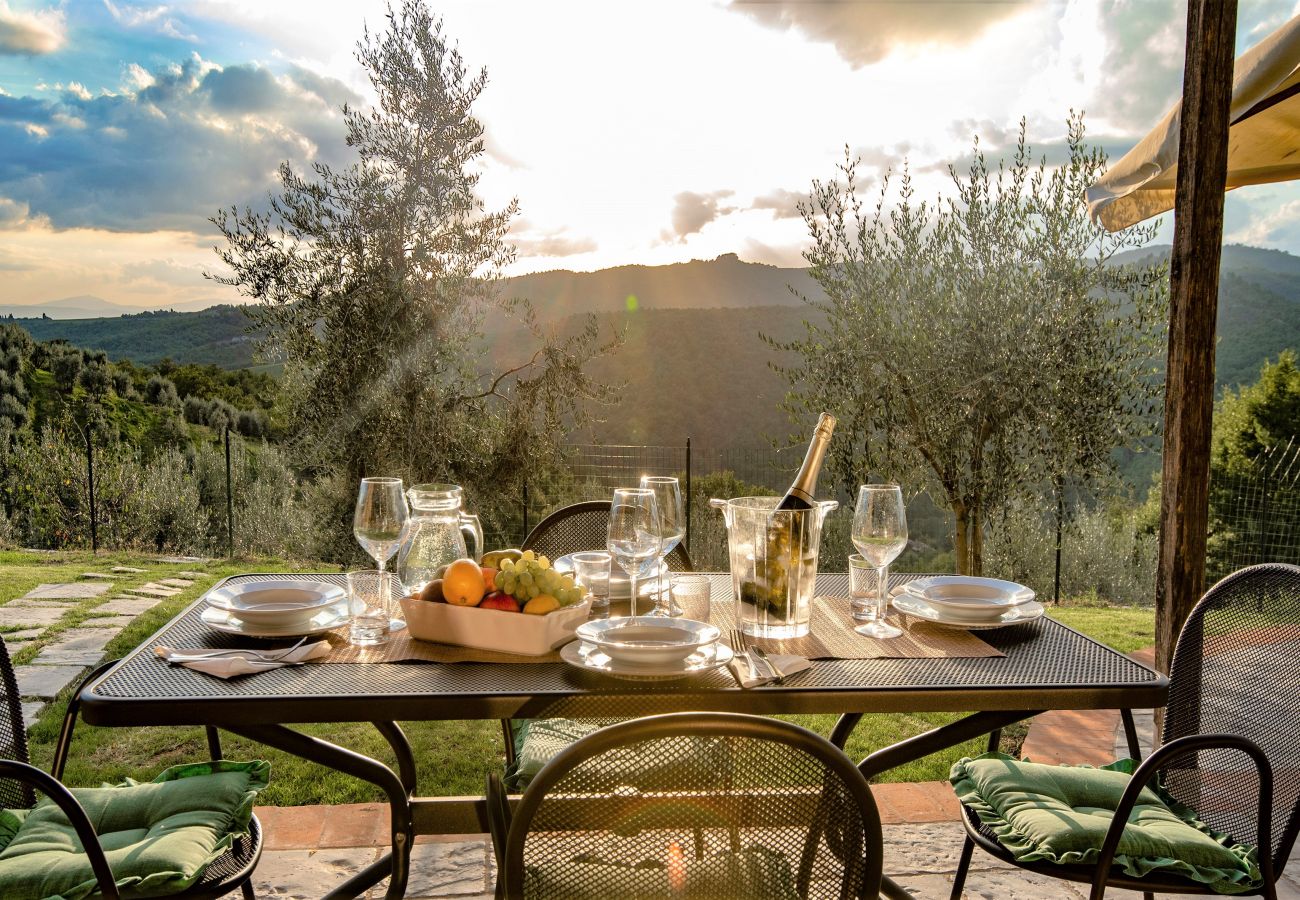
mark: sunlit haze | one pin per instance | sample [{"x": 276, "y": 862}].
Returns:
[{"x": 630, "y": 132}]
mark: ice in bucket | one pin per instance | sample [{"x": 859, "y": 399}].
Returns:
[{"x": 773, "y": 563}]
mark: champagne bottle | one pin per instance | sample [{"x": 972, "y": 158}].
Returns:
[{"x": 800, "y": 494}]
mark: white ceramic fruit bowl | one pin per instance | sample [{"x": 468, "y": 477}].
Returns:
[{"x": 493, "y": 629}]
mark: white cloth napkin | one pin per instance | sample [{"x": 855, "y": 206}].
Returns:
[
  {"x": 236, "y": 663},
  {"x": 750, "y": 677}
]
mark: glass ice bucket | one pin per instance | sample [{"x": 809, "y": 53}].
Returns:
[
  {"x": 773, "y": 563},
  {"x": 438, "y": 532}
]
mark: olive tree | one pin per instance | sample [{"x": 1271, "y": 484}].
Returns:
[
  {"x": 980, "y": 345},
  {"x": 373, "y": 280}
]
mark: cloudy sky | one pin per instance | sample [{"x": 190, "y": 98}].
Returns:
[{"x": 631, "y": 131}]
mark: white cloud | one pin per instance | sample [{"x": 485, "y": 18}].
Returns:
[
  {"x": 188, "y": 140},
  {"x": 30, "y": 33},
  {"x": 865, "y": 33}
]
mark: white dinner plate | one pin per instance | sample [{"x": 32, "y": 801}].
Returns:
[
  {"x": 620, "y": 588},
  {"x": 275, "y": 602},
  {"x": 327, "y": 619},
  {"x": 582, "y": 655},
  {"x": 648, "y": 640},
  {"x": 915, "y": 606},
  {"x": 968, "y": 598}
]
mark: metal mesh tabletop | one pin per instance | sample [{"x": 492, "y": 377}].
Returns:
[{"x": 1046, "y": 666}]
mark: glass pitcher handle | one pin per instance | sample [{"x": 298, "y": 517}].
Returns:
[{"x": 472, "y": 528}]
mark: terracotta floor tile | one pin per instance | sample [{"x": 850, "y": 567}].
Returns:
[
  {"x": 291, "y": 827},
  {"x": 355, "y": 825}
]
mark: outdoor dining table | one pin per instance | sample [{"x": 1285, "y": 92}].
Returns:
[{"x": 1045, "y": 665}]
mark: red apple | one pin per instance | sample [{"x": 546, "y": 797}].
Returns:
[
  {"x": 490, "y": 578},
  {"x": 501, "y": 601}
]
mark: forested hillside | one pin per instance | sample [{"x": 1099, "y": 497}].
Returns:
[{"x": 693, "y": 361}]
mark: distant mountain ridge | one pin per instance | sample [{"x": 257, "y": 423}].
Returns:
[
  {"x": 88, "y": 306},
  {"x": 725, "y": 282},
  {"x": 694, "y": 362}
]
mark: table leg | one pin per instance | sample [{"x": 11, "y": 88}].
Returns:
[
  {"x": 397, "y": 864},
  {"x": 914, "y": 748}
]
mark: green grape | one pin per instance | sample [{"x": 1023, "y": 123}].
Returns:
[
  {"x": 527, "y": 579},
  {"x": 499, "y": 581},
  {"x": 543, "y": 562},
  {"x": 528, "y": 556},
  {"x": 506, "y": 565},
  {"x": 532, "y": 591},
  {"x": 568, "y": 581}
]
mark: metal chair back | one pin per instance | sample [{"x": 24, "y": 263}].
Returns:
[
  {"x": 1236, "y": 670},
  {"x": 13, "y": 735},
  {"x": 584, "y": 526},
  {"x": 696, "y": 805}
]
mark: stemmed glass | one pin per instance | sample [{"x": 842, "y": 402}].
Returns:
[
  {"x": 880, "y": 534},
  {"x": 379, "y": 518},
  {"x": 633, "y": 536},
  {"x": 671, "y": 528}
]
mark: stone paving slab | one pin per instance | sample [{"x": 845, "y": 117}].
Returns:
[
  {"x": 78, "y": 646},
  {"x": 30, "y": 711},
  {"x": 153, "y": 590},
  {"x": 307, "y": 874},
  {"x": 175, "y": 582},
  {"x": 183, "y": 560},
  {"x": 126, "y": 606},
  {"x": 25, "y": 634},
  {"x": 195, "y": 575},
  {"x": 80, "y": 591},
  {"x": 107, "y": 622},
  {"x": 921, "y": 857},
  {"x": 30, "y": 616},
  {"x": 45, "y": 682},
  {"x": 40, "y": 603},
  {"x": 98, "y": 576},
  {"x": 129, "y": 570}
]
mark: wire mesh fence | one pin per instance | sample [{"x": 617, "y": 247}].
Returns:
[{"x": 1255, "y": 512}]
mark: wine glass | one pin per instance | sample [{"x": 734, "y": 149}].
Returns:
[
  {"x": 380, "y": 517},
  {"x": 880, "y": 534},
  {"x": 633, "y": 537},
  {"x": 671, "y": 528}
]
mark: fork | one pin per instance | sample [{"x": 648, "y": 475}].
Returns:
[
  {"x": 740, "y": 646},
  {"x": 258, "y": 655}
]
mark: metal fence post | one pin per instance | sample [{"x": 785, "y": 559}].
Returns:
[
  {"x": 90, "y": 479},
  {"x": 230, "y": 503},
  {"x": 689, "y": 505},
  {"x": 525, "y": 534},
  {"x": 1060, "y": 516}
]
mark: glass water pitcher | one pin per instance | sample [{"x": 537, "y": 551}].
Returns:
[{"x": 436, "y": 534}]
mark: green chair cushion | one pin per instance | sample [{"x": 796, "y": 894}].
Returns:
[
  {"x": 1060, "y": 814},
  {"x": 538, "y": 741},
  {"x": 158, "y": 837},
  {"x": 754, "y": 872}
]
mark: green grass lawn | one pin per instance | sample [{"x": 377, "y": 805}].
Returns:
[{"x": 453, "y": 757}]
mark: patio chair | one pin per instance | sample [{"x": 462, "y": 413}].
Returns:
[
  {"x": 582, "y": 526},
  {"x": 641, "y": 808},
  {"x": 232, "y": 870},
  {"x": 572, "y": 529},
  {"x": 1230, "y": 755}
]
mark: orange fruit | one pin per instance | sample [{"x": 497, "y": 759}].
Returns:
[
  {"x": 541, "y": 605},
  {"x": 463, "y": 584}
]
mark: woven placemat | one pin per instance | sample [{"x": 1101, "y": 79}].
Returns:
[{"x": 831, "y": 637}]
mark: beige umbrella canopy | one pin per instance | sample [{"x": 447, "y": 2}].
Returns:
[{"x": 1263, "y": 140}]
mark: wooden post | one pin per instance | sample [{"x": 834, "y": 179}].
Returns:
[{"x": 1193, "y": 305}]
